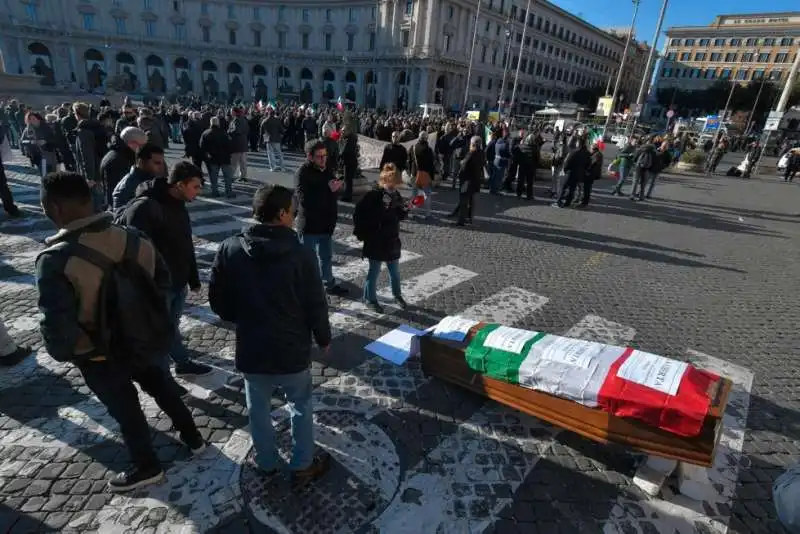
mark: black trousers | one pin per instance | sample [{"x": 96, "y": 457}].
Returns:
[
  {"x": 466, "y": 203},
  {"x": 525, "y": 182},
  {"x": 568, "y": 192},
  {"x": 113, "y": 385},
  {"x": 5, "y": 193},
  {"x": 349, "y": 177}
]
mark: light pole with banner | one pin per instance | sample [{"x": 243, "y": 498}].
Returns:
[
  {"x": 776, "y": 115},
  {"x": 718, "y": 135},
  {"x": 519, "y": 58},
  {"x": 502, "y": 98},
  {"x": 472, "y": 55},
  {"x": 621, "y": 68},
  {"x": 646, "y": 78}
]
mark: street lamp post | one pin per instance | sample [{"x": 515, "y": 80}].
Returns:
[
  {"x": 621, "y": 67},
  {"x": 722, "y": 122},
  {"x": 519, "y": 58},
  {"x": 646, "y": 76},
  {"x": 501, "y": 98},
  {"x": 472, "y": 55}
]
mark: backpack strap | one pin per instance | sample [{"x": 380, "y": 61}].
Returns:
[
  {"x": 132, "y": 243},
  {"x": 103, "y": 262}
]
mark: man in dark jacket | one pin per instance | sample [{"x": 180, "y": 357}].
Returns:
[
  {"x": 266, "y": 283},
  {"x": 395, "y": 153},
  {"x": 215, "y": 148},
  {"x": 317, "y": 210},
  {"x": 6, "y": 197},
  {"x": 526, "y": 159},
  {"x": 192, "y": 130},
  {"x": 576, "y": 166},
  {"x": 121, "y": 158},
  {"x": 90, "y": 147},
  {"x": 149, "y": 165},
  {"x": 239, "y": 130},
  {"x": 159, "y": 211},
  {"x": 68, "y": 301}
]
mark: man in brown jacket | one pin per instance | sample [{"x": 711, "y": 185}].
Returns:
[{"x": 69, "y": 293}]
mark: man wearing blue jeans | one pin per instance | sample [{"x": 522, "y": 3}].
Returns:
[
  {"x": 316, "y": 189},
  {"x": 268, "y": 284}
]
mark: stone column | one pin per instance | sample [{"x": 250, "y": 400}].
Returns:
[
  {"x": 169, "y": 74},
  {"x": 431, "y": 31},
  {"x": 197, "y": 75},
  {"x": 141, "y": 71},
  {"x": 386, "y": 87}
]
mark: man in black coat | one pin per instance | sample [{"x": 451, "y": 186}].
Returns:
[
  {"x": 122, "y": 156},
  {"x": 316, "y": 189},
  {"x": 266, "y": 283},
  {"x": 576, "y": 166},
  {"x": 159, "y": 211},
  {"x": 526, "y": 159},
  {"x": 395, "y": 153}
]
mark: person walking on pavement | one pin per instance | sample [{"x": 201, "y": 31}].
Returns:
[
  {"x": 577, "y": 167},
  {"x": 644, "y": 159},
  {"x": 526, "y": 160},
  {"x": 159, "y": 210},
  {"x": 422, "y": 167},
  {"x": 470, "y": 177},
  {"x": 239, "y": 130},
  {"x": 396, "y": 154},
  {"x": 68, "y": 278},
  {"x": 10, "y": 352},
  {"x": 348, "y": 155},
  {"x": 272, "y": 131},
  {"x": 6, "y": 197},
  {"x": 268, "y": 284},
  {"x": 149, "y": 164},
  {"x": 624, "y": 167},
  {"x": 121, "y": 158},
  {"x": 376, "y": 221},
  {"x": 216, "y": 150},
  {"x": 316, "y": 190}
]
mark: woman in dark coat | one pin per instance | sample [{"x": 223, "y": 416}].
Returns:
[
  {"x": 470, "y": 177},
  {"x": 376, "y": 220}
]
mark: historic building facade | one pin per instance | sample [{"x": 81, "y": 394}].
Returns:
[
  {"x": 740, "y": 48},
  {"x": 377, "y": 53}
]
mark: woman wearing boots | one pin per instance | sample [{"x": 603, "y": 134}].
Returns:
[{"x": 376, "y": 220}]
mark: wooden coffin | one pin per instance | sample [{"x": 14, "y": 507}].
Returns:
[{"x": 445, "y": 360}]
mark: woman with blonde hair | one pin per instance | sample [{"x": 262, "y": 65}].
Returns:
[{"x": 376, "y": 222}]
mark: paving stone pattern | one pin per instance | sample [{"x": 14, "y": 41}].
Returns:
[{"x": 708, "y": 265}]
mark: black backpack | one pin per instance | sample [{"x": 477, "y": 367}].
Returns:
[{"x": 134, "y": 325}]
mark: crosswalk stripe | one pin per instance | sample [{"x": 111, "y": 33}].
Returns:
[
  {"x": 713, "y": 489},
  {"x": 438, "y": 498}
]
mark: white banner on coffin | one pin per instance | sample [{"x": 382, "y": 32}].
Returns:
[
  {"x": 508, "y": 339},
  {"x": 653, "y": 371}
]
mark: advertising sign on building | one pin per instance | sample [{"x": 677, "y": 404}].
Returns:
[{"x": 604, "y": 105}]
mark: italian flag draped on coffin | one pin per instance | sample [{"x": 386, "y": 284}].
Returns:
[{"x": 665, "y": 393}]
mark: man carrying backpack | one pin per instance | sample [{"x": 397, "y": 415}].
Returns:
[
  {"x": 644, "y": 160},
  {"x": 159, "y": 210},
  {"x": 102, "y": 295}
]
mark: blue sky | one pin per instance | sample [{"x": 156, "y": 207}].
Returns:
[{"x": 615, "y": 13}]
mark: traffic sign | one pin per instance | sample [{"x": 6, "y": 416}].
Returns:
[{"x": 773, "y": 120}]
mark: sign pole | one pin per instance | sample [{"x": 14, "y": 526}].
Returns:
[
  {"x": 621, "y": 68},
  {"x": 646, "y": 78},
  {"x": 472, "y": 56},
  {"x": 722, "y": 121}
]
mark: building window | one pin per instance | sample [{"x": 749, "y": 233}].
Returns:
[
  {"x": 730, "y": 56},
  {"x": 685, "y": 56},
  {"x": 352, "y": 14},
  {"x": 769, "y": 41},
  {"x": 782, "y": 57},
  {"x": 494, "y": 56},
  {"x": 775, "y": 75},
  {"x": 479, "y": 82},
  {"x": 409, "y": 7},
  {"x": 206, "y": 34},
  {"x": 204, "y": 8},
  {"x": 700, "y": 56},
  {"x": 150, "y": 28},
  {"x": 672, "y": 56},
  {"x": 372, "y": 39},
  {"x": 689, "y": 42},
  {"x": 710, "y": 74},
  {"x": 281, "y": 12},
  {"x": 741, "y": 75},
  {"x": 736, "y": 42},
  {"x": 231, "y": 11},
  {"x": 751, "y": 42},
  {"x": 758, "y": 74},
  {"x": 328, "y": 39},
  {"x": 257, "y": 38},
  {"x": 180, "y": 32},
  {"x": 231, "y": 37},
  {"x": 716, "y": 56},
  {"x": 488, "y": 26},
  {"x": 704, "y": 42},
  {"x": 328, "y": 15},
  {"x": 306, "y": 15},
  {"x": 446, "y": 42},
  {"x": 483, "y": 54},
  {"x": 30, "y": 11},
  {"x": 281, "y": 40},
  {"x": 450, "y": 12},
  {"x": 725, "y": 74},
  {"x": 719, "y": 42},
  {"x": 675, "y": 42},
  {"x": 88, "y": 21},
  {"x": 119, "y": 22},
  {"x": 489, "y": 85},
  {"x": 256, "y": 13},
  {"x": 176, "y": 6},
  {"x": 786, "y": 41},
  {"x": 666, "y": 73},
  {"x": 351, "y": 39},
  {"x": 373, "y": 13},
  {"x": 404, "y": 38},
  {"x": 304, "y": 39}
]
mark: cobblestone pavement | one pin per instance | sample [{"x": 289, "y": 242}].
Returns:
[{"x": 703, "y": 272}]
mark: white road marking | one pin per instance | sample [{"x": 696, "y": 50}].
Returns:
[{"x": 677, "y": 514}]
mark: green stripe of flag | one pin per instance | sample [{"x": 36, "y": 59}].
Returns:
[{"x": 497, "y": 363}]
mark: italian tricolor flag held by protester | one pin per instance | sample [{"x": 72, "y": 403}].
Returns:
[
  {"x": 340, "y": 104},
  {"x": 665, "y": 393}
]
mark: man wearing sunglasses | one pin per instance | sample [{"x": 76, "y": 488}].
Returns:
[{"x": 316, "y": 191}]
